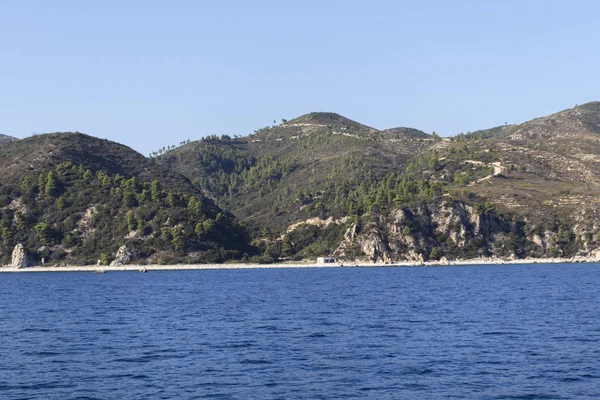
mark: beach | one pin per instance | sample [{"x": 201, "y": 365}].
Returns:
[{"x": 362, "y": 264}]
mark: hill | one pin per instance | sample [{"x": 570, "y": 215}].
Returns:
[
  {"x": 327, "y": 119},
  {"x": 277, "y": 175},
  {"x": 41, "y": 152},
  {"x": 73, "y": 198},
  {"x": 408, "y": 133},
  {"x": 320, "y": 184},
  {"x": 324, "y": 184},
  {"x": 6, "y": 139}
]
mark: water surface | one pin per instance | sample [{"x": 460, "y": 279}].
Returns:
[{"x": 522, "y": 332}]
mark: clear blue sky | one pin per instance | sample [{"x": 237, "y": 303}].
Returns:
[{"x": 152, "y": 73}]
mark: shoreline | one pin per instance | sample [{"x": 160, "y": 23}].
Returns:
[{"x": 232, "y": 266}]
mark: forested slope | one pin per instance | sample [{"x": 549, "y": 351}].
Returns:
[
  {"x": 73, "y": 198},
  {"x": 323, "y": 184}
]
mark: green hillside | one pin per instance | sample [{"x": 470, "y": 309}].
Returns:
[
  {"x": 73, "y": 198},
  {"x": 320, "y": 184},
  {"x": 324, "y": 184},
  {"x": 315, "y": 165}
]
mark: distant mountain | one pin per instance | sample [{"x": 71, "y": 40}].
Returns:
[
  {"x": 6, "y": 139},
  {"x": 69, "y": 197}
]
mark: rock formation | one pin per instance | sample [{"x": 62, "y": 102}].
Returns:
[
  {"x": 122, "y": 257},
  {"x": 19, "y": 257},
  {"x": 372, "y": 247}
]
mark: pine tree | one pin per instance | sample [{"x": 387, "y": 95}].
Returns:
[
  {"x": 178, "y": 240},
  {"x": 129, "y": 199},
  {"x": 131, "y": 222},
  {"x": 287, "y": 247},
  {"x": 51, "y": 187},
  {"x": 44, "y": 234},
  {"x": 171, "y": 199},
  {"x": 155, "y": 191},
  {"x": 199, "y": 231}
]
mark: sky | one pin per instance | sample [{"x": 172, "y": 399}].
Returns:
[{"x": 154, "y": 73}]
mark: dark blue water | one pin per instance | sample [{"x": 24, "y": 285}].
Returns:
[{"x": 519, "y": 332}]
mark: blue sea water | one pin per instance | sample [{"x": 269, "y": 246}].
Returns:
[{"x": 494, "y": 332}]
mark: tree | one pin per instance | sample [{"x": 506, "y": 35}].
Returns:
[
  {"x": 155, "y": 191},
  {"x": 20, "y": 221},
  {"x": 106, "y": 181},
  {"x": 41, "y": 183},
  {"x": 273, "y": 250},
  {"x": 195, "y": 207},
  {"x": 51, "y": 186},
  {"x": 144, "y": 196},
  {"x": 104, "y": 259},
  {"x": 26, "y": 184},
  {"x": 44, "y": 234},
  {"x": 6, "y": 233},
  {"x": 352, "y": 209},
  {"x": 435, "y": 254},
  {"x": 199, "y": 230},
  {"x": 60, "y": 204},
  {"x": 131, "y": 222},
  {"x": 287, "y": 247},
  {"x": 178, "y": 240},
  {"x": 319, "y": 207},
  {"x": 209, "y": 226},
  {"x": 70, "y": 240},
  {"x": 129, "y": 199},
  {"x": 141, "y": 226},
  {"x": 171, "y": 199}
]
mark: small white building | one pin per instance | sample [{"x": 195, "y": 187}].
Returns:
[{"x": 326, "y": 260}]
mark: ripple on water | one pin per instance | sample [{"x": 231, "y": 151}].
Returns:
[{"x": 373, "y": 333}]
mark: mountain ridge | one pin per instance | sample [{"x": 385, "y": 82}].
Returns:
[
  {"x": 411, "y": 133},
  {"x": 320, "y": 184},
  {"x": 377, "y": 177},
  {"x": 327, "y": 119},
  {"x": 7, "y": 138}
]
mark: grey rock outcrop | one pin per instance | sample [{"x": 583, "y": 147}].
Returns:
[
  {"x": 19, "y": 257},
  {"x": 413, "y": 256},
  {"x": 457, "y": 230},
  {"x": 369, "y": 242},
  {"x": 122, "y": 257},
  {"x": 375, "y": 248}
]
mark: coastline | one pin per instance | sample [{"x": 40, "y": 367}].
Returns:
[{"x": 232, "y": 266}]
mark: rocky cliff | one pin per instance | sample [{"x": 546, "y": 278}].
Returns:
[{"x": 456, "y": 230}]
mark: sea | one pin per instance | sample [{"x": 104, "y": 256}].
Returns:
[{"x": 458, "y": 332}]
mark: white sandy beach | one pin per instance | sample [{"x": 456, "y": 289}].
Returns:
[{"x": 183, "y": 267}]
